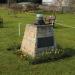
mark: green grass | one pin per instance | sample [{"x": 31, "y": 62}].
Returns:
[
  {"x": 68, "y": 19},
  {"x": 11, "y": 64}
]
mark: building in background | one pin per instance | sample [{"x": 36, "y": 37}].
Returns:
[
  {"x": 56, "y": 2},
  {"x": 60, "y": 5}
]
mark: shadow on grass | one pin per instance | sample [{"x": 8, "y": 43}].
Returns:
[
  {"x": 59, "y": 27},
  {"x": 13, "y": 46},
  {"x": 63, "y": 54},
  {"x": 68, "y": 52}
]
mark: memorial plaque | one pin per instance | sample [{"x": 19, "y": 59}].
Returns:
[{"x": 45, "y": 42}]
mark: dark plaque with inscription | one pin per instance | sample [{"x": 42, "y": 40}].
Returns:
[{"x": 45, "y": 42}]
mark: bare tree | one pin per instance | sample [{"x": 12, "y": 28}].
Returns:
[
  {"x": 72, "y": 5},
  {"x": 59, "y": 4},
  {"x": 9, "y": 2}
]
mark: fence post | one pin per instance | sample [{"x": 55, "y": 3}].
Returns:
[{"x": 19, "y": 25}]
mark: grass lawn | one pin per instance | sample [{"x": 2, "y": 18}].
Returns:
[{"x": 11, "y": 64}]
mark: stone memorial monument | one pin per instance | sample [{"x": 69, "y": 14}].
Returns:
[{"x": 38, "y": 38}]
